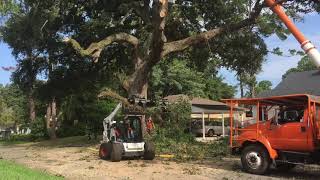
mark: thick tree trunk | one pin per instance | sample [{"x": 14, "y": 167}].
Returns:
[
  {"x": 32, "y": 108},
  {"x": 253, "y": 92},
  {"x": 241, "y": 88},
  {"x": 48, "y": 118},
  {"x": 138, "y": 85},
  {"x": 51, "y": 119}
]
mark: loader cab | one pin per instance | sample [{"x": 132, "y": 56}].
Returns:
[{"x": 129, "y": 129}]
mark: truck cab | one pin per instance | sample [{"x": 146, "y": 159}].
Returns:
[{"x": 285, "y": 132}]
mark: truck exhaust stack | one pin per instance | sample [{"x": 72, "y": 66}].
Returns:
[{"x": 306, "y": 45}]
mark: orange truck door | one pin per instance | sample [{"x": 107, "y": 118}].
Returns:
[{"x": 290, "y": 136}]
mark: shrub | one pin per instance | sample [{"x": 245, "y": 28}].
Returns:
[
  {"x": 170, "y": 137},
  {"x": 184, "y": 146},
  {"x": 21, "y": 137},
  {"x": 73, "y": 130},
  {"x": 38, "y": 129}
]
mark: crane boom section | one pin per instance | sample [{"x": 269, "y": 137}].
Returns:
[{"x": 306, "y": 44}]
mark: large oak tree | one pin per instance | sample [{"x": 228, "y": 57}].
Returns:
[{"x": 156, "y": 29}]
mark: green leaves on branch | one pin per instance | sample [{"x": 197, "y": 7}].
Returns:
[
  {"x": 8, "y": 6},
  {"x": 305, "y": 64},
  {"x": 13, "y": 107},
  {"x": 177, "y": 77}
]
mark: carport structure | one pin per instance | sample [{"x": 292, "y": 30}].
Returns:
[{"x": 208, "y": 109}]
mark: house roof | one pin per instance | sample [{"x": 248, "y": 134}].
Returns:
[
  {"x": 194, "y": 101},
  {"x": 292, "y": 99},
  {"x": 307, "y": 82},
  {"x": 175, "y": 98},
  {"x": 203, "y": 105},
  {"x": 202, "y": 101}
]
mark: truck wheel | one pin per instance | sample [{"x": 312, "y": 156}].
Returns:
[
  {"x": 285, "y": 166},
  {"x": 255, "y": 159},
  {"x": 116, "y": 152},
  {"x": 104, "y": 151},
  {"x": 149, "y": 151},
  {"x": 210, "y": 133}
]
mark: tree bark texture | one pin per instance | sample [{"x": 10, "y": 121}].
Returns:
[
  {"x": 32, "y": 108},
  {"x": 51, "y": 121}
]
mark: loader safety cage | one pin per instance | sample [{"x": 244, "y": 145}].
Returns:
[{"x": 287, "y": 100}]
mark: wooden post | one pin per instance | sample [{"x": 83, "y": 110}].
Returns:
[
  {"x": 203, "y": 127},
  {"x": 258, "y": 118},
  {"x": 231, "y": 123},
  {"x": 223, "y": 130}
]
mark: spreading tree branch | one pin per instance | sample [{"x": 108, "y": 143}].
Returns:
[
  {"x": 183, "y": 44},
  {"x": 95, "y": 49}
]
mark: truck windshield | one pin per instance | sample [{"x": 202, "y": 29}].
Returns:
[{"x": 290, "y": 114}]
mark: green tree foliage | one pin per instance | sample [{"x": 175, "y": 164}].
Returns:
[
  {"x": 254, "y": 87},
  {"x": 176, "y": 77},
  {"x": 264, "y": 85},
  {"x": 7, "y": 6},
  {"x": 177, "y": 117},
  {"x": 13, "y": 109},
  {"x": 305, "y": 64},
  {"x": 6, "y": 115},
  {"x": 87, "y": 118}
]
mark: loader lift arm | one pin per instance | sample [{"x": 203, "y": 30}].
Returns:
[
  {"x": 108, "y": 131},
  {"x": 306, "y": 45}
]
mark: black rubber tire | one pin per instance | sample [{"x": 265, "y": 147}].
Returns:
[
  {"x": 149, "y": 151},
  {"x": 262, "y": 153},
  {"x": 116, "y": 152},
  {"x": 285, "y": 166},
  {"x": 105, "y": 151},
  {"x": 210, "y": 133}
]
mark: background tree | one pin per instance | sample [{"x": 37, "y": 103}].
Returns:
[
  {"x": 176, "y": 77},
  {"x": 254, "y": 88},
  {"x": 264, "y": 85},
  {"x": 8, "y": 7},
  {"x": 13, "y": 106},
  {"x": 305, "y": 64}
]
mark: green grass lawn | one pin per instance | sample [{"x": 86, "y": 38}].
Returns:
[{"x": 11, "y": 171}]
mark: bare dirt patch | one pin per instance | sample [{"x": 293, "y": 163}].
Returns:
[{"x": 80, "y": 161}]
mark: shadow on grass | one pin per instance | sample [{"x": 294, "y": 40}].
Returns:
[
  {"x": 77, "y": 141},
  {"x": 11, "y": 143}
]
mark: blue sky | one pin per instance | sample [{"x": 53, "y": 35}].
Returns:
[
  {"x": 6, "y": 60},
  {"x": 276, "y": 66},
  {"x": 272, "y": 70}
]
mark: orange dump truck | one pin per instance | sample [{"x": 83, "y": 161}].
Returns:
[{"x": 285, "y": 132}]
